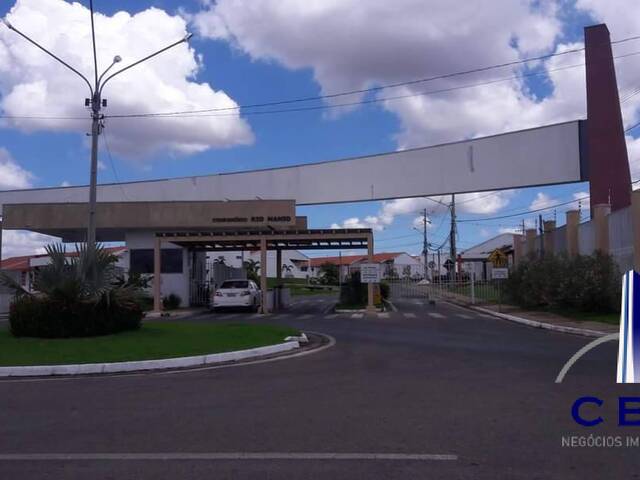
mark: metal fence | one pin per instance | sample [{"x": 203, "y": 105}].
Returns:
[
  {"x": 466, "y": 290},
  {"x": 200, "y": 289}
]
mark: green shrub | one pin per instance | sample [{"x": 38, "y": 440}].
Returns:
[
  {"x": 77, "y": 296},
  {"x": 384, "y": 290},
  {"x": 171, "y": 301},
  {"x": 586, "y": 283},
  {"x": 353, "y": 291},
  {"x": 40, "y": 316}
]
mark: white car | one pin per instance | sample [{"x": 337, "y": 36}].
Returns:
[{"x": 237, "y": 293}]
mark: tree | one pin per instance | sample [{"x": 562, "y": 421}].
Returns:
[
  {"x": 252, "y": 268},
  {"x": 287, "y": 268},
  {"x": 329, "y": 274},
  {"x": 77, "y": 295}
]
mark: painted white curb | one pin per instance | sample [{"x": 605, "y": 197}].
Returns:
[
  {"x": 547, "y": 326},
  {"x": 181, "y": 362}
]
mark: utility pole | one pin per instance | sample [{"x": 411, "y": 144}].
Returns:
[
  {"x": 452, "y": 236},
  {"x": 96, "y": 103},
  {"x": 425, "y": 244},
  {"x": 541, "y": 231}
]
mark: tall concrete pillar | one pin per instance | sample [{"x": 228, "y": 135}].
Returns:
[
  {"x": 530, "y": 238},
  {"x": 370, "y": 305},
  {"x": 277, "y": 291},
  {"x": 549, "y": 227},
  {"x": 601, "y": 226},
  {"x": 635, "y": 216},
  {"x": 263, "y": 274},
  {"x": 573, "y": 220},
  {"x": 157, "y": 272},
  {"x": 608, "y": 163},
  {"x": 279, "y": 266}
]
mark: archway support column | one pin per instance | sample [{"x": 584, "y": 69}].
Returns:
[
  {"x": 157, "y": 279},
  {"x": 263, "y": 274},
  {"x": 370, "y": 286}
]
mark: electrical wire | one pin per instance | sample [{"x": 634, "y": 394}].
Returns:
[
  {"x": 206, "y": 112},
  {"x": 382, "y": 87},
  {"x": 525, "y": 213},
  {"x": 200, "y": 113}
]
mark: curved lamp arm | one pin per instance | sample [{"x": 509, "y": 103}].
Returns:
[
  {"x": 116, "y": 59},
  {"x": 11, "y": 27},
  {"x": 182, "y": 40}
]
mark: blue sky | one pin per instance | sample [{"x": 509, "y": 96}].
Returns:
[{"x": 251, "y": 69}]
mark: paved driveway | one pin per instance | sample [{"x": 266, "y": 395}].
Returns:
[{"x": 453, "y": 393}]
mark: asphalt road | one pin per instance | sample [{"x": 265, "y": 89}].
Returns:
[{"x": 455, "y": 393}]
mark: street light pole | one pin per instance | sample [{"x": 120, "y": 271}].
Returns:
[
  {"x": 425, "y": 243},
  {"x": 96, "y": 103}
]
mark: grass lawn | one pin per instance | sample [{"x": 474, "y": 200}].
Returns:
[
  {"x": 152, "y": 341},
  {"x": 610, "y": 318}
]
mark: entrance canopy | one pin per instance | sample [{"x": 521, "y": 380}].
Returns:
[
  {"x": 314, "y": 239},
  {"x": 262, "y": 240}
]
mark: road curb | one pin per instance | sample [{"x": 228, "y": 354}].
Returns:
[
  {"x": 146, "y": 365},
  {"x": 535, "y": 324}
]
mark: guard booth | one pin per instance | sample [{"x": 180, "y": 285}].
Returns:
[
  {"x": 169, "y": 240},
  {"x": 263, "y": 241}
]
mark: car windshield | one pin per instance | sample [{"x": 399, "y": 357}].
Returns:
[{"x": 235, "y": 284}]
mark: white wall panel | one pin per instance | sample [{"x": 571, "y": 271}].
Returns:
[{"x": 540, "y": 156}]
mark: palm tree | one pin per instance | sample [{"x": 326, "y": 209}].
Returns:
[
  {"x": 221, "y": 260},
  {"x": 287, "y": 268},
  {"x": 89, "y": 276},
  {"x": 252, "y": 268}
]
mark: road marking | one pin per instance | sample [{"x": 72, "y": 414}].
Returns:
[
  {"x": 308, "y": 315},
  {"x": 333, "y": 315},
  {"x": 256, "y": 315},
  {"x": 462, "y": 315},
  {"x": 228, "y": 456},
  {"x": 357, "y": 315},
  {"x": 383, "y": 315},
  {"x": 409, "y": 315},
  {"x": 436, "y": 315},
  {"x": 328, "y": 308}
]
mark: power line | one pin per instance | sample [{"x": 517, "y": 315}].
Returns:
[
  {"x": 632, "y": 127},
  {"x": 113, "y": 165},
  {"x": 527, "y": 212},
  {"x": 388, "y": 86},
  {"x": 205, "y": 112}
]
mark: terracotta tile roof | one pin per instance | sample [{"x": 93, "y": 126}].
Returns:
[
  {"x": 16, "y": 263},
  {"x": 22, "y": 263},
  {"x": 351, "y": 259}
]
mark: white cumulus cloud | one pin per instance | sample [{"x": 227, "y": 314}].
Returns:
[
  {"x": 32, "y": 83},
  {"x": 16, "y": 243},
  {"x": 12, "y": 175}
]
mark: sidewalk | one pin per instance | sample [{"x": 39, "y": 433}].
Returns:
[{"x": 552, "y": 319}]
